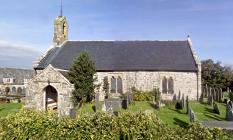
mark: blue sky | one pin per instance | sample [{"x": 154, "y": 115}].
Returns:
[{"x": 26, "y": 26}]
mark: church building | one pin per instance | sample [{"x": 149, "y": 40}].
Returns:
[{"x": 171, "y": 66}]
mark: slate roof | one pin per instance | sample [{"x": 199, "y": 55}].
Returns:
[
  {"x": 125, "y": 55},
  {"x": 18, "y": 74}
]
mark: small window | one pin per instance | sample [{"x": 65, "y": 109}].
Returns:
[
  {"x": 14, "y": 90},
  {"x": 119, "y": 85},
  {"x": 164, "y": 85},
  {"x": 19, "y": 90},
  {"x": 170, "y": 86},
  {"x": 113, "y": 85}
]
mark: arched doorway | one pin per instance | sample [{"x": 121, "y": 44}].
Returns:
[{"x": 50, "y": 98}]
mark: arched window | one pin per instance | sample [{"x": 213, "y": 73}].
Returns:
[
  {"x": 13, "y": 90},
  {"x": 7, "y": 90},
  {"x": 113, "y": 85},
  {"x": 170, "y": 86},
  {"x": 164, "y": 85},
  {"x": 119, "y": 85},
  {"x": 19, "y": 90}
]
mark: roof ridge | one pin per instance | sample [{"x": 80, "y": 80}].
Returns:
[{"x": 127, "y": 40}]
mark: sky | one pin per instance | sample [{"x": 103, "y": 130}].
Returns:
[{"x": 26, "y": 26}]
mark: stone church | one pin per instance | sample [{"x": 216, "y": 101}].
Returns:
[{"x": 171, "y": 66}]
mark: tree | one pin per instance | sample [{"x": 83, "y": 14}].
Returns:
[
  {"x": 106, "y": 86},
  {"x": 81, "y": 74},
  {"x": 216, "y": 75}
]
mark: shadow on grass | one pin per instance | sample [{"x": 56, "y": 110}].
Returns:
[
  {"x": 1, "y": 109},
  {"x": 152, "y": 105},
  {"x": 180, "y": 122},
  {"x": 178, "y": 111},
  {"x": 215, "y": 117},
  {"x": 209, "y": 110}
]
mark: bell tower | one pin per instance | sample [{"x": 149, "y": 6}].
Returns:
[{"x": 60, "y": 29}]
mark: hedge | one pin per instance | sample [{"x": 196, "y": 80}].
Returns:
[{"x": 126, "y": 126}]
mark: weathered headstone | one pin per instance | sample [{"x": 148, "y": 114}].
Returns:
[
  {"x": 182, "y": 102},
  {"x": 72, "y": 113},
  {"x": 158, "y": 104},
  {"x": 230, "y": 103},
  {"x": 187, "y": 104},
  {"x": 229, "y": 113},
  {"x": 125, "y": 104},
  {"x": 191, "y": 115},
  {"x": 221, "y": 93},
  {"x": 179, "y": 95},
  {"x": 209, "y": 92},
  {"x": 214, "y": 94},
  {"x": 202, "y": 97},
  {"x": 210, "y": 100},
  {"x": 113, "y": 104}
]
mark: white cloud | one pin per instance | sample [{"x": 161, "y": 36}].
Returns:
[{"x": 17, "y": 55}]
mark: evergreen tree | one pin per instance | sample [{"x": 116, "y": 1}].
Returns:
[{"x": 81, "y": 74}]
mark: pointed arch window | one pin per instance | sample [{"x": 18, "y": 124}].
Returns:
[
  {"x": 113, "y": 85},
  {"x": 170, "y": 86},
  {"x": 119, "y": 85},
  {"x": 164, "y": 85}
]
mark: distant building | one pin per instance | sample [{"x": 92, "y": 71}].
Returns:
[
  {"x": 171, "y": 66},
  {"x": 13, "y": 81}
]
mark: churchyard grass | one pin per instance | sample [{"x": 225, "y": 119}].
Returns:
[
  {"x": 169, "y": 114},
  {"x": 7, "y": 108}
]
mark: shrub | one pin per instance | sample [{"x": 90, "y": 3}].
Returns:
[
  {"x": 216, "y": 108},
  {"x": 125, "y": 126},
  {"x": 146, "y": 95}
]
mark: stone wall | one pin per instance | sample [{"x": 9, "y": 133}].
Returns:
[
  {"x": 184, "y": 82},
  {"x": 35, "y": 95}
]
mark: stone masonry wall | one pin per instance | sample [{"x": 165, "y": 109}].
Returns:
[
  {"x": 184, "y": 82},
  {"x": 35, "y": 95}
]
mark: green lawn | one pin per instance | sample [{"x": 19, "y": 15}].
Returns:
[
  {"x": 169, "y": 114},
  {"x": 7, "y": 108}
]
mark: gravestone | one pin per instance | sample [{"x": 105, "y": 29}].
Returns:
[
  {"x": 191, "y": 115},
  {"x": 187, "y": 104},
  {"x": 202, "y": 97},
  {"x": 229, "y": 114},
  {"x": 104, "y": 108},
  {"x": 125, "y": 104},
  {"x": 209, "y": 92},
  {"x": 210, "y": 100},
  {"x": 214, "y": 94},
  {"x": 72, "y": 113},
  {"x": 113, "y": 104},
  {"x": 179, "y": 95},
  {"x": 230, "y": 103},
  {"x": 221, "y": 93},
  {"x": 182, "y": 102},
  {"x": 158, "y": 104}
]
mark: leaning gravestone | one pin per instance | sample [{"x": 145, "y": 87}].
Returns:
[
  {"x": 182, "y": 102},
  {"x": 191, "y": 115},
  {"x": 187, "y": 104}
]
